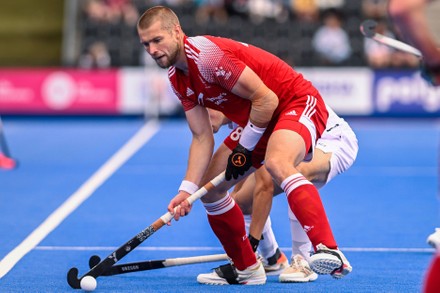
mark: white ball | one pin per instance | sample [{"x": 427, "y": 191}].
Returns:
[{"x": 88, "y": 283}]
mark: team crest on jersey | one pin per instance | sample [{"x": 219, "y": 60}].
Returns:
[{"x": 220, "y": 72}]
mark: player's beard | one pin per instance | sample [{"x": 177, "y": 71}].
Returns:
[{"x": 171, "y": 59}]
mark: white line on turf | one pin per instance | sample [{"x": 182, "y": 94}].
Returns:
[
  {"x": 77, "y": 198},
  {"x": 211, "y": 248}
]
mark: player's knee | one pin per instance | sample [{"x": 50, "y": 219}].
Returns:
[
  {"x": 274, "y": 166},
  {"x": 305, "y": 172}
]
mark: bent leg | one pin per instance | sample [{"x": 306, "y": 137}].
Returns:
[{"x": 286, "y": 149}]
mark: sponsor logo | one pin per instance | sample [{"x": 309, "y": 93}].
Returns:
[
  {"x": 189, "y": 92},
  {"x": 219, "y": 99},
  {"x": 59, "y": 90},
  {"x": 291, "y": 113},
  {"x": 113, "y": 256},
  {"x": 406, "y": 93},
  {"x": 129, "y": 268},
  {"x": 238, "y": 160},
  {"x": 216, "y": 100},
  {"x": 333, "y": 127}
]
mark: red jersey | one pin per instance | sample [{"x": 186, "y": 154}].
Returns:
[{"x": 214, "y": 66}]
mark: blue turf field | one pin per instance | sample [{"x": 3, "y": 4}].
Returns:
[{"x": 381, "y": 210}]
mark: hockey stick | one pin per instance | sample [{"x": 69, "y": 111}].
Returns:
[
  {"x": 368, "y": 28},
  {"x": 155, "y": 264},
  {"x": 3, "y": 144},
  {"x": 114, "y": 257},
  {"x": 6, "y": 161}
]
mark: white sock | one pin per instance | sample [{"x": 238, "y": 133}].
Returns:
[
  {"x": 300, "y": 241},
  {"x": 268, "y": 244}
]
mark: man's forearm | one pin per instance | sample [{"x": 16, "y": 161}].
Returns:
[{"x": 200, "y": 154}]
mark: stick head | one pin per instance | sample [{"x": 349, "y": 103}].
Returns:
[
  {"x": 368, "y": 28},
  {"x": 72, "y": 278}
]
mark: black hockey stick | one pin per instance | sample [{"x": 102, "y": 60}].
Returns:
[
  {"x": 115, "y": 256},
  {"x": 155, "y": 264}
]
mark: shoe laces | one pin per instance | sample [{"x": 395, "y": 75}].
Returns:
[{"x": 297, "y": 263}]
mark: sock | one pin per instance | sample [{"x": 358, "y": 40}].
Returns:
[
  {"x": 227, "y": 223},
  {"x": 268, "y": 244},
  {"x": 300, "y": 241},
  {"x": 432, "y": 278},
  {"x": 305, "y": 203}
]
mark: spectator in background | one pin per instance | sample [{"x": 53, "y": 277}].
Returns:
[
  {"x": 401, "y": 59},
  {"x": 331, "y": 41},
  {"x": 327, "y": 4},
  {"x": 262, "y": 9},
  {"x": 376, "y": 9},
  {"x": 96, "y": 56},
  {"x": 305, "y": 10},
  {"x": 111, "y": 11},
  {"x": 208, "y": 10},
  {"x": 96, "y": 10}
]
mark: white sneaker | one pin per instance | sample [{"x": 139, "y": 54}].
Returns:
[
  {"x": 276, "y": 263},
  {"x": 298, "y": 272},
  {"x": 228, "y": 274},
  {"x": 330, "y": 261},
  {"x": 434, "y": 239}
]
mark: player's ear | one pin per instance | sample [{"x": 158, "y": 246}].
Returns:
[{"x": 178, "y": 31}]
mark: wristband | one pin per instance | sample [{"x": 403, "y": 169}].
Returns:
[
  {"x": 188, "y": 187},
  {"x": 254, "y": 242},
  {"x": 251, "y": 135}
]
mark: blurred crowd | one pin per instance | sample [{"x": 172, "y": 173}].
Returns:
[{"x": 333, "y": 28}]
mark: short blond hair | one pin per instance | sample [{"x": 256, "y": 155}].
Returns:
[{"x": 165, "y": 15}]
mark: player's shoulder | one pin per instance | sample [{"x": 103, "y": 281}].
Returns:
[{"x": 200, "y": 44}]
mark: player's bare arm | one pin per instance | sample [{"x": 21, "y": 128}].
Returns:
[
  {"x": 200, "y": 153},
  {"x": 264, "y": 100}
]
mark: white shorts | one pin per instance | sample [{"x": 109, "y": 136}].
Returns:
[{"x": 340, "y": 140}]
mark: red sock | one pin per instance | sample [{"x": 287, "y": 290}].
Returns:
[
  {"x": 305, "y": 202},
  {"x": 230, "y": 230},
  {"x": 432, "y": 279}
]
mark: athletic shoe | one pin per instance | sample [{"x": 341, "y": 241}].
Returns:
[
  {"x": 228, "y": 274},
  {"x": 434, "y": 239},
  {"x": 329, "y": 261},
  {"x": 276, "y": 263},
  {"x": 6, "y": 162},
  {"x": 298, "y": 272}
]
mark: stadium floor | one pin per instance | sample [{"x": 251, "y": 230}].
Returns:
[{"x": 381, "y": 210}]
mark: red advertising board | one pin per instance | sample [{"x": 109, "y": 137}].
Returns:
[{"x": 58, "y": 91}]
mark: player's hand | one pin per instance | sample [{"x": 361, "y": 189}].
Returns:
[
  {"x": 181, "y": 205},
  {"x": 238, "y": 162},
  {"x": 431, "y": 75}
]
